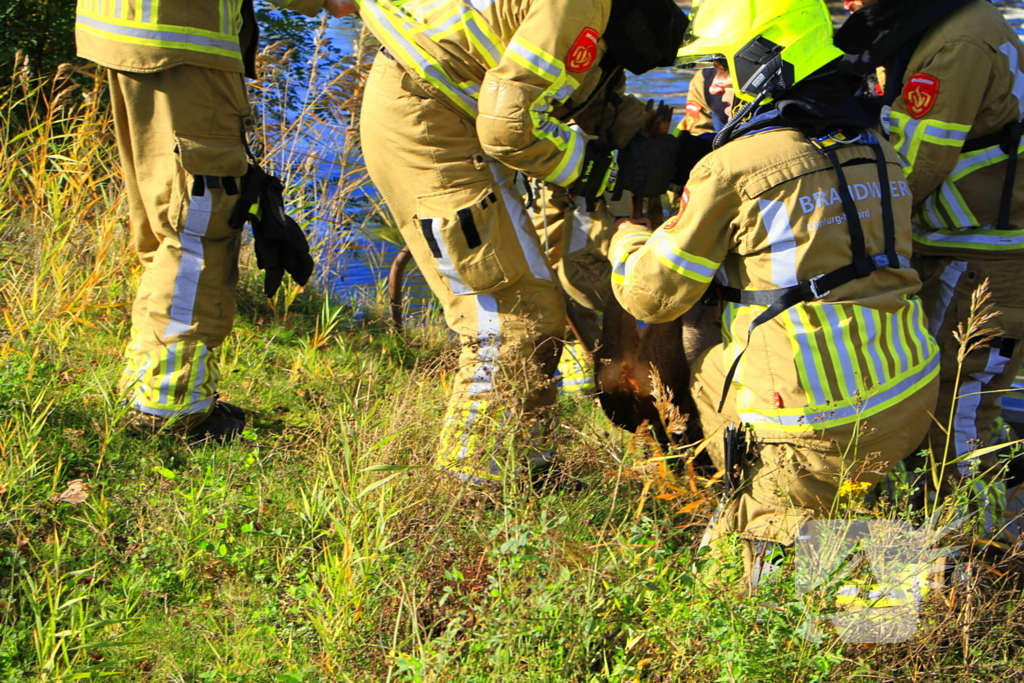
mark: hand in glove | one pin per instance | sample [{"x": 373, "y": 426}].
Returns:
[
  {"x": 692, "y": 148},
  {"x": 648, "y": 165},
  {"x": 279, "y": 241},
  {"x": 598, "y": 174}
]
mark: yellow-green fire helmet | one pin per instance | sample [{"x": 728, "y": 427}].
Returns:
[{"x": 769, "y": 45}]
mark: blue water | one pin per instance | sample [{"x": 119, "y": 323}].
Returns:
[{"x": 356, "y": 266}]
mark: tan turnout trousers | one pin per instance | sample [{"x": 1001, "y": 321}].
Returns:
[
  {"x": 179, "y": 132},
  {"x": 469, "y": 232},
  {"x": 969, "y": 401},
  {"x": 794, "y": 480}
]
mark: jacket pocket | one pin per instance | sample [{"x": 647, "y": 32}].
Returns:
[
  {"x": 472, "y": 239},
  {"x": 217, "y": 156}
]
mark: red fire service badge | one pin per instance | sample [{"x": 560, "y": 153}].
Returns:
[
  {"x": 583, "y": 52},
  {"x": 920, "y": 94}
]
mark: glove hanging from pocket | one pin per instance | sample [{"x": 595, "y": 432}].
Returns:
[{"x": 279, "y": 241}]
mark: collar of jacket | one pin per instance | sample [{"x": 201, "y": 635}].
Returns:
[
  {"x": 815, "y": 106},
  {"x": 873, "y": 35},
  {"x": 756, "y": 120}
]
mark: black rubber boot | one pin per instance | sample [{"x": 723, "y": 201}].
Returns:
[{"x": 224, "y": 423}]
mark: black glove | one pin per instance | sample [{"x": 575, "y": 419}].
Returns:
[
  {"x": 692, "y": 148},
  {"x": 279, "y": 241},
  {"x": 595, "y": 178},
  {"x": 648, "y": 165}
]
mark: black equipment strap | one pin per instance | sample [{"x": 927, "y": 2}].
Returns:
[
  {"x": 1014, "y": 133},
  {"x": 779, "y": 300}
]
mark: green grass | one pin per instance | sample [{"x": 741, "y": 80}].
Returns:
[{"x": 321, "y": 546}]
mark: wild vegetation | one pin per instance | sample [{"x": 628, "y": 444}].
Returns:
[{"x": 321, "y": 546}]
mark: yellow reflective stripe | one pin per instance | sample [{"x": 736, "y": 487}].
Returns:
[
  {"x": 158, "y": 35},
  {"x": 817, "y": 377},
  {"x": 398, "y": 33},
  {"x": 483, "y": 37},
  {"x": 535, "y": 60},
  {"x": 800, "y": 348},
  {"x": 168, "y": 381},
  {"x": 688, "y": 265},
  {"x": 837, "y": 336},
  {"x": 568, "y": 141},
  {"x": 910, "y": 133},
  {"x": 443, "y": 25},
  {"x": 568, "y": 168},
  {"x": 914, "y": 329},
  {"x": 956, "y": 205},
  {"x": 978, "y": 240},
  {"x": 867, "y": 333},
  {"x": 850, "y": 410},
  {"x": 625, "y": 254}
]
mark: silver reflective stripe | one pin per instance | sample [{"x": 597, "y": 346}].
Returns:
[
  {"x": 200, "y": 407},
  {"x": 513, "y": 202},
  {"x": 581, "y": 222},
  {"x": 984, "y": 236},
  {"x": 842, "y": 348},
  {"x": 428, "y": 70},
  {"x": 444, "y": 261},
  {"x": 940, "y": 133},
  {"x": 576, "y": 152},
  {"x": 908, "y": 131},
  {"x": 956, "y": 206},
  {"x": 203, "y": 353},
  {"x": 1013, "y": 55},
  {"x": 493, "y": 50},
  {"x": 781, "y": 241},
  {"x": 871, "y": 318},
  {"x": 480, "y": 5},
  {"x": 146, "y": 15},
  {"x": 488, "y": 334},
  {"x": 949, "y": 279},
  {"x": 170, "y": 366},
  {"x": 225, "y": 16},
  {"x": 965, "y": 418},
  {"x": 551, "y": 71},
  {"x": 809, "y": 420},
  {"x": 190, "y": 266},
  {"x": 184, "y": 39},
  {"x": 814, "y": 384}
]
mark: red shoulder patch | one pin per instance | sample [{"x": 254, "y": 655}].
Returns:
[
  {"x": 583, "y": 52},
  {"x": 920, "y": 94},
  {"x": 684, "y": 199}
]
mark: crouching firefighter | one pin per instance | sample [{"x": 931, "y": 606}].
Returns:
[
  {"x": 804, "y": 216},
  {"x": 463, "y": 95},
  {"x": 953, "y": 106},
  {"x": 175, "y": 72}
]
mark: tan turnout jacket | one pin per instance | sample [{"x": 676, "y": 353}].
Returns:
[
  {"x": 764, "y": 212},
  {"x": 965, "y": 80},
  {"x": 153, "y": 35},
  {"x": 516, "y": 68}
]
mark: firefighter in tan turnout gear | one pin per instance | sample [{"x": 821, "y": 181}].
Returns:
[
  {"x": 575, "y": 232},
  {"x": 463, "y": 94},
  {"x": 953, "y": 106},
  {"x": 179, "y": 102},
  {"x": 803, "y": 215}
]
